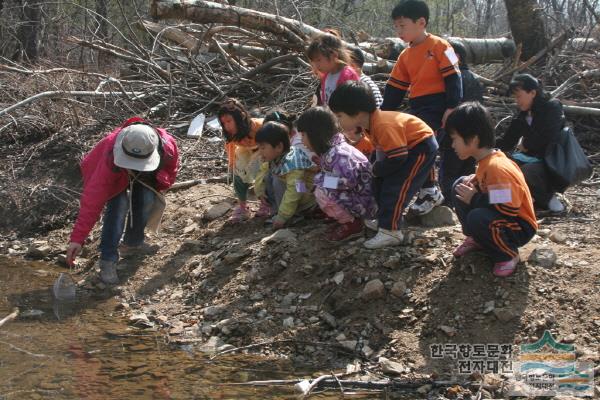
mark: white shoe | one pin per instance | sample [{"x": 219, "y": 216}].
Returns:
[
  {"x": 427, "y": 200},
  {"x": 371, "y": 224},
  {"x": 555, "y": 205},
  {"x": 384, "y": 238}
]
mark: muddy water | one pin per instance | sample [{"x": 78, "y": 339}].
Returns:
[{"x": 86, "y": 351}]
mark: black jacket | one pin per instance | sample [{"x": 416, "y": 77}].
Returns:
[{"x": 548, "y": 120}]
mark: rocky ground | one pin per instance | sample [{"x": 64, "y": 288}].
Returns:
[{"x": 219, "y": 287}]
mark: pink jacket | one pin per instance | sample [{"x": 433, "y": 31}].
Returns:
[
  {"x": 348, "y": 74},
  {"x": 103, "y": 180}
]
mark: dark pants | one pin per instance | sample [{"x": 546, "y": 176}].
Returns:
[
  {"x": 240, "y": 188},
  {"x": 431, "y": 110},
  {"x": 500, "y": 235},
  {"x": 117, "y": 211},
  {"x": 539, "y": 182},
  {"x": 394, "y": 192}
]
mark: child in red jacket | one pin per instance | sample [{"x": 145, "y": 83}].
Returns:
[{"x": 126, "y": 171}]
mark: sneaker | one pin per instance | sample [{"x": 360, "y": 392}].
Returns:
[
  {"x": 264, "y": 211},
  {"x": 467, "y": 246},
  {"x": 346, "y": 231},
  {"x": 108, "y": 272},
  {"x": 384, "y": 238},
  {"x": 506, "y": 268},
  {"x": 555, "y": 205},
  {"x": 139, "y": 250},
  {"x": 372, "y": 224},
  {"x": 426, "y": 200},
  {"x": 240, "y": 213}
]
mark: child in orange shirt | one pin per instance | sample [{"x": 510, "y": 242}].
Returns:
[
  {"x": 428, "y": 69},
  {"x": 405, "y": 152},
  {"x": 494, "y": 205},
  {"x": 240, "y": 132}
]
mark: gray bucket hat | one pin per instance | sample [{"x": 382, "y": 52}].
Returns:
[{"x": 136, "y": 148}]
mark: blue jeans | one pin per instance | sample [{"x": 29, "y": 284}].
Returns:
[
  {"x": 113, "y": 223},
  {"x": 275, "y": 189}
]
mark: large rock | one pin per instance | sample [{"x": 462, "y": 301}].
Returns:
[
  {"x": 217, "y": 211},
  {"x": 374, "y": 289},
  {"x": 504, "y": 314},
  {"x": 543, "y": 256},
  {"x": 392, "y": 367},
  {"x": 39, "y": 251},
  {"x": 439, "y": 216},
  {"x": 212, "y": 311},
  {"x": 282, "y": 235}
]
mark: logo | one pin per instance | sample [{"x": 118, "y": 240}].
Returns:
[{"x": 549, "y": 368}]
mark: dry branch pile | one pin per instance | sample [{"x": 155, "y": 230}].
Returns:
[{"x": 51, "y": 115}]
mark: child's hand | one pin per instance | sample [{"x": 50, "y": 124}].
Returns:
[
  {"x": 465, "y": 192},
  {"x": 470, "y": 180},
  {"x": 277, "y": 224},
  {"x": 445, "y": 117}
]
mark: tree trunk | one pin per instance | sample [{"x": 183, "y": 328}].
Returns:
[
  {"x": 28, "y": 30},
  {"x": 527, "y": 26}
]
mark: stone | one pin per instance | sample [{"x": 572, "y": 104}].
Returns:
[
  {"x": 217, "y": 211},
  {"x": 392, "y": 367},
  {"x": 373, "y": 290},
  {"x": 212, "y": 311},
  {"x": 569, "y": 338},
  {"x": 393, "y": 262},
  {"x": 558, "y": 237},
  {"x": 367, "y": 351},
  {"x": 225, "y": 347},
  {"x": 212, "y": 345},
  {"x": 544, "y": 232},
  {"x": 280, "y": 236},
  {"x": 288, "y": 322},
  {"x": 329, "y": 319},
  {"x": 235, "y": 256},
  {"x": 439, "y": 216},
  {"x": 544, "y": 257},
  {"x": 338, "y": 278},
  {"x": 190, "y": 228},
  {"x": 489, "y": 306},
  {"x": 503, "y": 314},
  {"x": 398, "y": 289},
  {"x": 288, "y": 299},
  {"x": 38, "y": 251},
  {"x": 140, "y": 319},
  {"x": 348, "y": 344},
  {"x": 448, "y": 330}
]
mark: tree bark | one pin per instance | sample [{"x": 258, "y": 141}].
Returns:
[
  {"x": 27, "y": 32},
  {"x": 527, "y": 26},
  {"x": 102, "y": 11}
]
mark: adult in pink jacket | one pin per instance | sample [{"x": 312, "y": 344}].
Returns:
[{"x": 124, "y": 172}]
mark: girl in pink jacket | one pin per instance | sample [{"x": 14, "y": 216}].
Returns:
[
  {"x": 126, "y": 171},
  {"x": 329, "y": 56}
]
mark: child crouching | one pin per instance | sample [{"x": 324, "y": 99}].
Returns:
[
  {"x": 494, "y": 205},
  {"x": 343, "y": 186},
  {"x": 290, "y": 169}
]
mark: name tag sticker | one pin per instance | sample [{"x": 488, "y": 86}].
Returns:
[
  {"x": 451, "y": 56},
  {"x": 331, "y": 182},
  {"x": 500, "y": 194},
  {"x": 300, "y": 187}
]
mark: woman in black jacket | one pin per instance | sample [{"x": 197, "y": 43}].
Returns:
[{"x": 539, "y": 123}]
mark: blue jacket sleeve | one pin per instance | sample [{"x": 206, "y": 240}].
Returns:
[
  {"x": 392, "y": 98},
  {"x": 453, "y": 90}
]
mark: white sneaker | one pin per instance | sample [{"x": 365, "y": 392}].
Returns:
[
  {"x": 371, "y": 224},
  {"x": 426, "y": 200},
  {"x": 555, "y": 205},
  {"x": 384, "y": 238}
]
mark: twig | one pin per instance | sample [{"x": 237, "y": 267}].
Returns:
[
  {"x": 9, "y": 317},
  {"x": 281, "y": 341},
  {"x": 12, "y": 346}
]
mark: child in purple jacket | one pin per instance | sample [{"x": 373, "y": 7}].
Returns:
[{"x": 343, "y": 185}]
